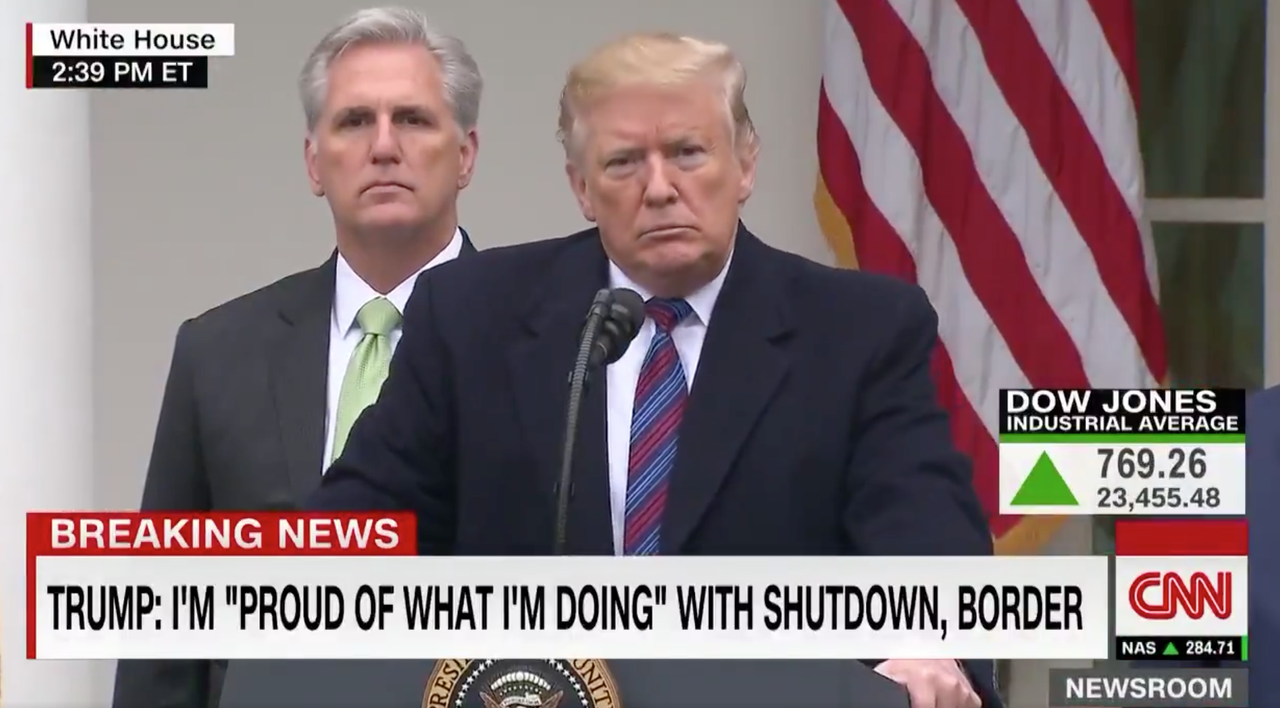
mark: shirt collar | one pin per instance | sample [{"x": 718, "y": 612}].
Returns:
[
  {"x": 703, "y": 300},
  {"x": 351, "y": 292}
]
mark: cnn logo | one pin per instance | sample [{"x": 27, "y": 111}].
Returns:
[{"x": 1164, "y": 595}]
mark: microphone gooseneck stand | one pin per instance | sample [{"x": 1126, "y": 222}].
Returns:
[{"x": 577, "y": 390}]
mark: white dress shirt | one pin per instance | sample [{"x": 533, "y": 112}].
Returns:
[
  {"x": 622, "y": 376},
  {"x": 350, "y": 293}
]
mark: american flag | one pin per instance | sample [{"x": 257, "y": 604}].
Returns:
[{"x": 987, "y": 150}]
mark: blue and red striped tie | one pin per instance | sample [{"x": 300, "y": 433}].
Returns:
[{"x": 661, "y": 394}]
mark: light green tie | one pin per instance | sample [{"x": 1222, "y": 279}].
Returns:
[{"x": 368, "y": 367}]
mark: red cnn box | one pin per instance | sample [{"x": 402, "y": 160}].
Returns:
[{"x": 1182, "y": 578}]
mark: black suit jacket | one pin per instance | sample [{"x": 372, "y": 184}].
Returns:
[
  {"x": 811, "y": 428},
  {"x": 242, "y": 427},
  {"x": 1262, "y": 482}
]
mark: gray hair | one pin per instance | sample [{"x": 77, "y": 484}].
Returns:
[{"x": 395, "y": 25}]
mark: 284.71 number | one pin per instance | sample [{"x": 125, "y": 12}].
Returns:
[{"x": 1141, "y": 462}]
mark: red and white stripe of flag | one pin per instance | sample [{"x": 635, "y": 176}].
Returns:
[{"x": 987, "y": 150}]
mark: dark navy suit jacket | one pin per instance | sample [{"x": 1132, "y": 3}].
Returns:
[
  {"x": 812, "y": 426},
  {"x": 1262, "y": 492},
  {"x": 242, "y": 427}
]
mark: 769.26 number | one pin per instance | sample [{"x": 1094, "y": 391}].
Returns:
[{"x": 1142, "y": 463}]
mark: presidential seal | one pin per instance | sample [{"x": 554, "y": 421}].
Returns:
[{"x": 515, "y": 683}]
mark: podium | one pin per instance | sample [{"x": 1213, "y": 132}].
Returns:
[{"x": 639, "y": 684}]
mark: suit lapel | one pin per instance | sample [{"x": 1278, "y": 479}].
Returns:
[
  {"x": 539, "y": 366},
  {"x": 299, "y": 375},
  {"x": 300, "y": 371},
  {"x": 742, "y": 363}
]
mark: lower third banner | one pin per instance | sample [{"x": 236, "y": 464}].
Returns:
[{"x": 135, "y": 602}]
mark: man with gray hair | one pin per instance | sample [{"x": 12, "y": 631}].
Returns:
[{"x": 263, "y": 390}]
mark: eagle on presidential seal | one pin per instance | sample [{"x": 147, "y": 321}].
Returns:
[
  {"x": 520, "y": 689},
  {"x": 510, "y": 683}
]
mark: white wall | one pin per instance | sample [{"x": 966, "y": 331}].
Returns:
[{"x": 201, "y": 196}]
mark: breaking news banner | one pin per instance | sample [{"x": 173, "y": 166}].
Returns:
[
  {"x": 1120, "y": 452},
  {"x": 1182, "y": 589},
  {"x": 350, "y": 586},
  {"x": 124, "y": 56}
]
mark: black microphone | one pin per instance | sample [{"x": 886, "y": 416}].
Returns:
[
  {"x": 620, "y": 325},
  {"x": 612, "y": 322}
]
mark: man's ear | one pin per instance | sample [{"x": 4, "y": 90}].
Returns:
[
  {"x": 578, "y": 183},
  {"x": 470, "y": 150},
  {"x": 747, "y": 158},
  {"x": 313, "y": 171}
]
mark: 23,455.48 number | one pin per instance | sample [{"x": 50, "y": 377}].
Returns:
[{"x": 1158, "y": 498}]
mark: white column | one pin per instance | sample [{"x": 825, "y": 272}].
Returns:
[{"x": 46, "y": 328}]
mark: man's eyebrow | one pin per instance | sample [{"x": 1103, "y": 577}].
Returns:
[
  {"x": 682, "y": 141},
  {"x": 400, "y": 110},
  {"x": 412, "y": 109},
  {"x": 620, "y": 154},
  {"x": 623, "y": 152},
  {"x": 352, "y": 111}
]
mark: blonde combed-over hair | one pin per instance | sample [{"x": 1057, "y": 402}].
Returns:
[{"x": 655, "y": 59}]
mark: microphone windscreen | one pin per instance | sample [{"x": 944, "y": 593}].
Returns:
[{"x": 631, "y": 302}]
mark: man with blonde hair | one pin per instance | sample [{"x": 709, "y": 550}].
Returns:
[{"x": 768, "y": 406}]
